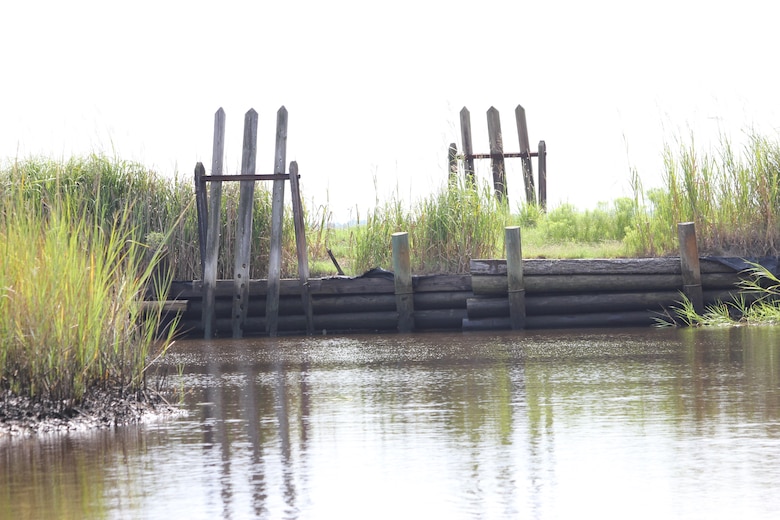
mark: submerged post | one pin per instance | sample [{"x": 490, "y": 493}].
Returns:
[
  {"x": 212, "y": 232},
  {"x": 404, "y": 292},
  {"x": 689, "y": 262},
  {"x": 514, "y": 272},
  {"x": 277, "y": 218},
  {"x": 300, "y": 245},
  {"x": 244, "y": 226}
]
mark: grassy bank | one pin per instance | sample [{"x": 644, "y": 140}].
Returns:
[{"x": 72, "y": 276}]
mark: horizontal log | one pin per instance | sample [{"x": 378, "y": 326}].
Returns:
[
  {"x": 600, "y": 283},
  {"x": 595, "y": 319},
  {"x": 537, "y": 266},
  {"x": 498, "y": 307}
]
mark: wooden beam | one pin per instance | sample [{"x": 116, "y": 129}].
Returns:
[
  {"x": 525, "y": 149},
  {"x": 689, "y": 264},
  {"x": 496, "y": 154},
  {"x": 277, "y": 220},
  {"x": 404, "y": 292},
  {"x": 213, "y": 225},
  {"x": 300, "y": 246}
]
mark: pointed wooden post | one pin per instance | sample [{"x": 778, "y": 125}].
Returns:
[
  {"x": 277, "y": 218},
  {"x": 514, "y": 272},
  {"x": 689, "y": 262},
  {"x": 300, "y": 245},
  {"x": 468, "y": 149},
  {"x": 542, "y": 160},
  {"x": 404, "y": 291},
  {"x": 525, "y": 149},
  {"x": 212, "y": 232},
  {"x": 244, "y": 228},
  {"x": 496, "y": 154}
]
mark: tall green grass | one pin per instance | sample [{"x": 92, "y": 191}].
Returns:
[
  {"x": 71, "y": 286},
  {"x": 732, "y": 197}
]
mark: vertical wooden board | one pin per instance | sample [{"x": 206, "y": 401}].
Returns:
[
  {"x": 468, "y": 149},
  {"x": 542, "y": 160},
  {"x": 300, "y": 245},
  {"x": 689, "y": 263},
  {"x": 277, "y": 218},
  {"x": 404, "y": 291},
  {"x": 202, "y": 211},
  {"x": 208, "y": 315},
  {"x": 496, "y": 154},
  {"x": 244, "y": 226},
  {"x": 515, "y": 282},
  {"x": 528, "y": 172}
]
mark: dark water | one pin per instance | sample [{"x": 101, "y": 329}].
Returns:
[{"x": 581, "y": 424}]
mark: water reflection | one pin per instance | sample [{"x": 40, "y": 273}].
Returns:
[{"x": 647, "y": 423}]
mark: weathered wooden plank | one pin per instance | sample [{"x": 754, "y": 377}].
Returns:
[
  {"x": 608, "y": 266},
  {"x": 496, "y": 154},
  {"x": 542, "y": 162},
  {"x": 441, "y": 283},
  {"x": 468, "y": 148},
  {"x": 277, "y": 219},
  {"x": 404, "y": 291},
  {"x": 598, "y": 283},
  {"x": 244, "y": 225},
  {"x": 525, "y": 149},
  {"x": 212, "y": 231},
  {"x": 300, "y": 246}
]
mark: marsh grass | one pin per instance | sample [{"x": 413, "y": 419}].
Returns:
[
  {"x": 71, "y": 286},
  {"x": 731, "y": 196}
]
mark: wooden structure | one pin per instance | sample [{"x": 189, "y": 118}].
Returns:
[
  {"x": 497, "y": 155},
  {"x": 208, "y": 228},
  {"x": 497, "y": 294}
]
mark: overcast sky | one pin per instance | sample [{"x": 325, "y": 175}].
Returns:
[{"x": 374, "y": 89}]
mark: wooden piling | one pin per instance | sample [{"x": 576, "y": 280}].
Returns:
[
  {"x": 689, "y": 262},
  {"x": 496, "y": 154},
  {"x": 300, "y": 245},
  {"x": 244, "y": 226},
  {"x": 468, "y": 148},
  {"x": 525, "y": 149},
  {"x": 514, "y": 268},
  {"x": 202, "y": 210},
  {"x": 277, "y": 218},
  {"x": 212, "y": 230},
  {"x": 542, "y": 162},
  {"x": 404, "y": 292}
]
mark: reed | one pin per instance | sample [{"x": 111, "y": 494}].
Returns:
[{"x": 71, "y": 287}]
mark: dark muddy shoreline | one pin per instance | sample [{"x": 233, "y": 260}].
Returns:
[{"x": 22, "y": 416}]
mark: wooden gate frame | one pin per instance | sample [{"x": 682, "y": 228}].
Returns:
[
  {"x": 497, "y": 155},
  {"x": 209, "y": 222}
]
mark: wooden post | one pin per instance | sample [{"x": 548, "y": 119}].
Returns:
[
  {"x": 689, "y": 261},
  {"x": 300, "y": 245},
  {"x": 277, "y": 219},
  {"x": 452, "y": 163},
  {"x": 496, "y": 154},
  {"x": 202, "y": 210},
  {"x": 542, "y": 158},
  {"x": 404, "y": 292},
  {"x": 525, "y": 149},
  {"x": 244, "y": 227},
  {"x": 212, "y": 233},
  {"x": 468, "y": 149},
  {"x": 514, "y": 272}
]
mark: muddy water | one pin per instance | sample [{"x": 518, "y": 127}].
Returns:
[{"x": 582, "y": 424}]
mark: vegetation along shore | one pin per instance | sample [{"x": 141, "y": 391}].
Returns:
[{"x": 86, "y": 239}]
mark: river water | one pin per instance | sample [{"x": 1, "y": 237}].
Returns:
[{"x": 635, "y": 423}]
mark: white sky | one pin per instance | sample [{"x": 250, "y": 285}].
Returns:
[{"x": 374, "y": 89}]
